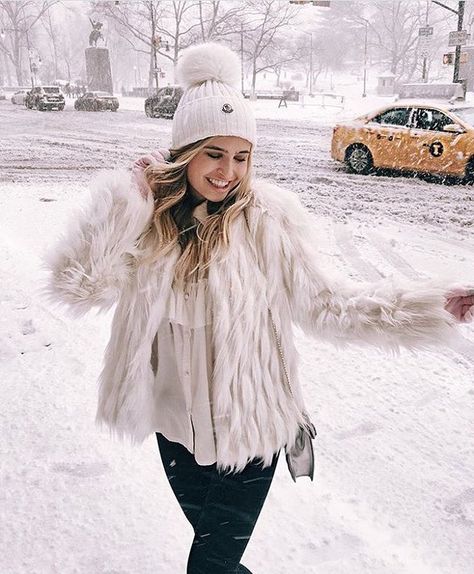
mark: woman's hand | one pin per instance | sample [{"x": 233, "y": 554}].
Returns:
[
  {"x": 156, "y": 157},
  {"x": 460, "y": 303}
]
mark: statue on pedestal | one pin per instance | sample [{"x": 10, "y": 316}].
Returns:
[
  {"x": 95, "y": 34},
  {"x": 98, "y": 70}
]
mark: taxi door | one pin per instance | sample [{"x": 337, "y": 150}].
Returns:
[
  {"x": 437, "y": 151},
  {"x": 387, "y": 136}
]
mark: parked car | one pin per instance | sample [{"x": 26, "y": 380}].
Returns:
[
  {"x": 45, "y": 98},
  {"x": 96, "y": 101},
  {"x": 163, "y": 104},
  {"x": 422, "y": 137},
  {"x": 19, "y": 97}
]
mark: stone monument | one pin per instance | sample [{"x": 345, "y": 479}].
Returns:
[{"x": 99, "y": 74}]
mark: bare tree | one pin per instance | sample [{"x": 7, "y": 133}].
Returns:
[
  {"x": 17, "y": 20},
  {"x": 393, "y": 29},
  {"x": 72, "y": 41},
  {"x": 182, "y": 14},
  {"x": 310, "y": 62},
  {"x": 136, "y": 23},
  {"x": 263, "y": 20},
  {"x": 330, "y": 41},
  {"x": 285, "y": 52},
  {"x": 52, "y": 31},
  {"x": 217, "y": 19},
  {"x": 153, "y": 27}
]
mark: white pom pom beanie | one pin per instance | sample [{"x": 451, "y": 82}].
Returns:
[{"x": 211, "y": 104}]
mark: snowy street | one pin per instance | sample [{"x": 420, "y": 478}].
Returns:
[{"x": 393, "y": 490}]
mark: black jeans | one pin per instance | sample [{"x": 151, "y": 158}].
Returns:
[{"x": 222, "y": 508}]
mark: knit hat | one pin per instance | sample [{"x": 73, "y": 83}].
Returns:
[{"x": 211, "y": 104}]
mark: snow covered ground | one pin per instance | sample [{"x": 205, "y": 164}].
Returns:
[{"x": 394, "y": 490}]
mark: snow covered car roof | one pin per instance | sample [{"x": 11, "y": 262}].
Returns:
[{"x": 437, "y": 104}]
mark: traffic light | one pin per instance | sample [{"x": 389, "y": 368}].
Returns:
[{"x": 448, "y": 58}]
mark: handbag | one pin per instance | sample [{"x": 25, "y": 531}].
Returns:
[{"x": 300, "y": 455}]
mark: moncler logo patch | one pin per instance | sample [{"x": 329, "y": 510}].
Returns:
[{"x": 227, "y": 108}]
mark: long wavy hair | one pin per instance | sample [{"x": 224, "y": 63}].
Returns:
[{"x": 173, "y": 223}]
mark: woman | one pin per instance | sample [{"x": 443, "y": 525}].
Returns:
[{"x": 210, "y": 269}]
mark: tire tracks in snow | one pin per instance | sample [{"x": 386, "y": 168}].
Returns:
[
  {"x": 351, "y": 254},
  {"x": 397, "y": 261}
]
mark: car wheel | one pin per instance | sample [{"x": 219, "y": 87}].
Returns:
[
  {"x": 359, "y": 159},
  {"x": 469, "y": 174}
]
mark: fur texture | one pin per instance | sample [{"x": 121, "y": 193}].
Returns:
[
  {"x": 271, "y": 263},
  {"x": 204, "y": 62}
]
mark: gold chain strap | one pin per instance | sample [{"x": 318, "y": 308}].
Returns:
[
  {"x": 282, "y": 357},
  {"x": 308, "y": 425}
]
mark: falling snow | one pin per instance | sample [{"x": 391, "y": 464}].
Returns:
[{"x": 393, "y": 491}]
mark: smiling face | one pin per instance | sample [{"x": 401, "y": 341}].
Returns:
[{"x": 219, "y": 167}]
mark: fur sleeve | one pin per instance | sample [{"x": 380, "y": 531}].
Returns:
[
  {"x": 92, "y": 262},
  {"x": 383, "y": 313}
]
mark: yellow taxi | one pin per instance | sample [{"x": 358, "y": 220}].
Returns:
[{"x": 427, "y": 138}]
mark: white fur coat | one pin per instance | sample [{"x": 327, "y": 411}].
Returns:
[{"x": 271, "y": 263}]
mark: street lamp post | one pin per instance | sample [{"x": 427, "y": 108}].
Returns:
[
  {"x": 460, "y": 14},
  {"x": 30, "y": 61},
  {"x": 364, "y": 91},
  {"x": 34, "y": 59},
  {"x": 157, "y": 44},
  {"x": 457, "y": 57},
  {"x": 310, "y": 34},
  {"x": 366, "y": 51},
  {"x": 424, "y": 73}
]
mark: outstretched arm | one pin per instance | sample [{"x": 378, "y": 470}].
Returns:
[
  {"x": 385, "y": 313},
  {"x": 92, "y": 263}
]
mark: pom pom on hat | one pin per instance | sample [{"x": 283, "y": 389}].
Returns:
[
  {"x": 205, "y": 62},
  {"x": 212, "y": 104}
]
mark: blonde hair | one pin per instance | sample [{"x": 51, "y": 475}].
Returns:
[{"x": 173, "y": 223}]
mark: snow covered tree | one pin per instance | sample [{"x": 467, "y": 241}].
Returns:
[
  {"x": 155, "y": 28},
  {"x": 17, "y": 23},
  {"x": 217, "y": 19},
  {"x": 261, "y": 24},
  {"x": 393, "y": 28}
]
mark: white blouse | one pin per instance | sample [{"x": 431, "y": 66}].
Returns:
[{"x": 182, "y": 359}]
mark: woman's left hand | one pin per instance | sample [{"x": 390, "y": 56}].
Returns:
[
  {"x": 155, "y": 157},
  {"x": 460, "y": 303}
]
